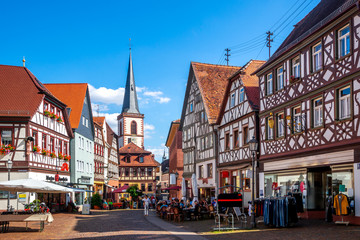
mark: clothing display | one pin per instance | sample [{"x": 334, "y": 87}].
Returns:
[
  {"x": 341, "y": 204},
  {"x": 277, "y": 212},
  {"x": 299, "y": 201}
]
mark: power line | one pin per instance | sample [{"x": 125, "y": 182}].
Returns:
[
  {"x": 248, "y": 41},
  {"x": 227, "y": 55},
  {"x": 296, "y": 2}
]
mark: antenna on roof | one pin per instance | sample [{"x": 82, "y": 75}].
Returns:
[
  {"x": 227, "y": 56},
  {"x": 23, "y": 61},
  {"x": 269, "y": 40},
  {"x": 130, "y": 43}
]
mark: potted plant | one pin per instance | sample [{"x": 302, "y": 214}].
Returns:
[
  {"x": 134, "y": 193},
  {"x": 36, "y": 149},
  {"x": 44, "y": 152},
  {"x": 46, "y": 113},
  {"x": 52, "y": 155},
  {"x": 59, "y": 119},
  {"x": 96, "y": 201},
  {"x": 67, "y": 157},
  {"x": 52, "y": 115},
  {"x": 60, "y": 156},
  {"x": 5, "y": 149}
]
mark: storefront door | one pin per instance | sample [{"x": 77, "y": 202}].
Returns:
[{"x": 319, "y": 186}]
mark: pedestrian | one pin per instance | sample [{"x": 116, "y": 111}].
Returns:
[{"x": 146, "y": 201}]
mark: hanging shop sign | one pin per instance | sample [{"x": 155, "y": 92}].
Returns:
[{"x": 84, "y": 179}]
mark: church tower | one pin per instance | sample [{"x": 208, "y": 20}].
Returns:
[{"x": 130, "y": 121}]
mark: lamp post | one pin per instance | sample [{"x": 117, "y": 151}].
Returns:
[
  {"x": 9, "y": 165},
  {"x": 253, "y": 145}
]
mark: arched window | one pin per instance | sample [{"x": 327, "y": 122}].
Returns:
[
  {"x": 120, "y": 129},
  {"x": 133, "y": 127}
]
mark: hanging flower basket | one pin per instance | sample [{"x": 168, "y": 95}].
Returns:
[
  {"x": 52, "y": 155},
  {"x": 60, "y": 156},
  {"x": 44, "y": 152},
  {"x": 59, "y": 119},
  {"x": 36, "y": 149},
  {"x": 5, "y": 149},
  {"x": 46, "y": 113}
]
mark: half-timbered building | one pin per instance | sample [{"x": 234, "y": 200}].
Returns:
[
  {"x": 204, "y": 93},
  {"x": 137, "y": 167},
  {"x": 77, "y": 97},
  {"x": 112, "y": 160},
  {"x": 309, "y": 109},
  {"x": 34, "y": 131},
  {"x": 99, "y": 162},
  {"x": 238, "y": 123}
]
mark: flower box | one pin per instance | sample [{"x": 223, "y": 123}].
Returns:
[
  {"x": 53, "y": 155},
  {"x": 294, "y": 79},
  {"x": 46, "y": 113},
  {"x": 36, "y": 149},
  {"x": 59, "y": 119},
  {"x": 52, "y": 115},
  {"x": 60, "y": 156},
  {"x": 5, "y": 149},
  {"x": 67, "y": 157},
  {"x": 44, "y": 152}
]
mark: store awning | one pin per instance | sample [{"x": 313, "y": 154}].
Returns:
[
  {"x": 121, "y": 189},
  {"x": 32, "y": 185}
]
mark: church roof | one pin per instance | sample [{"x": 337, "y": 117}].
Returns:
[{"x": 130, "y": 103}]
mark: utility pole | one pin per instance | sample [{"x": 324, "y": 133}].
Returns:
[
  {"x": 269, "y": 40},
  {"x": 227, "y": 55}
]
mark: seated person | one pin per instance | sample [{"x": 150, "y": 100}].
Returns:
[{"x": 181, "y": 204}]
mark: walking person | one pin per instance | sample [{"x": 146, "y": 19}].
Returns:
[{"x": 146, "y": 201}]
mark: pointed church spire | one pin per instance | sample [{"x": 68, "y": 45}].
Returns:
[{"x": 130, "y": 104}]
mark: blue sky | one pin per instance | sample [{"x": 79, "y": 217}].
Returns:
[{"x": 88, "y": 41}]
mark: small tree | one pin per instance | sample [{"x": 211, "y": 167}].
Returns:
[
  {"x": 96, "y": 200},
  {"x": 134, "y": 192}
]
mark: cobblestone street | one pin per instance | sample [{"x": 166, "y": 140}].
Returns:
[{"x": 131, "y": 224}]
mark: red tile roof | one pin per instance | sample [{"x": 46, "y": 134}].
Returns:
[
  {"x": 99, "y": 120},
  {"x": 134, "y": 152},
  {"x": 73, "y": 95},
  {"x": 212, "y": 81},
  {"x": 250, "y": 82},
  {"x": 132, "y": 148}
]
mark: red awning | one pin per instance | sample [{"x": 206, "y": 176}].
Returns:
[{"x": 121, "y": 189}]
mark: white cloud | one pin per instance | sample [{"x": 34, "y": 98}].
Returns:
[
  {"x": 148, "y": 130},
  {"x": 107, "y": 95},
  {"x": 157, "y": 95},
  {"x": 111, "y": 119},
  {"x": 158, "y": 152},
  {"x": 148, "y": 127},
  {"x": 99, "y": 107}
]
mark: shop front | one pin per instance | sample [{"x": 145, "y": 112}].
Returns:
[
  {"x": 236, "y": 179},
  {"x": 315, "y": 182},
  {"x": 99, "y": 188}
]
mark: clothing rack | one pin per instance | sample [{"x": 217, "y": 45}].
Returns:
[{"x": 340, "y": 199}]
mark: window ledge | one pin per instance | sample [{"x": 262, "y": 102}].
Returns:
[{"x": 343, "y": 57}]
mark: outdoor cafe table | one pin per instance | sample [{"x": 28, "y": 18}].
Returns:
[
  {"x": 187, "y": 213},
  {"x": 6, "y": 219}
]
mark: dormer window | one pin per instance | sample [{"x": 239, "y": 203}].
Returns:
[
  {"x": 141, "y": 159},
  {"x": 127, "y": 159}
]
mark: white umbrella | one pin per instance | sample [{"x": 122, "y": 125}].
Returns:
[
  {"x": 183, "y": 189},
  {"x": 194, "y": 187},
  {"x": 32, "y": 185}
]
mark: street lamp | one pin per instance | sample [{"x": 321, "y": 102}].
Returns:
[
  {"x": 9, "y": 165},
  {"x": 253, "y": 146}
]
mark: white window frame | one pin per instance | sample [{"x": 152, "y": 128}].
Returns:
[
  {"x": 242, "y": 94},
  {"x": 296, "y": 67},
  {"x": 344, "y": 103},
  {"x": 344, "y": 40},
  {"x": 317, "y": 57},
  {"x": 317, "y": 112},
  {"x": 191, "y": 108},
  {"x": 269, "y": 84},
  {"x": 232, "y": 100},
  {"x": 280, "y": 78},
  {"x": 280, "y": 125},
  {"x": 297, "y": 119}
]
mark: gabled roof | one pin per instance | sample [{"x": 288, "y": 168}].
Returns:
[
  {"x": 110, "y": 134},
  {"x": 212, "y": 80},
  {"x": 132, "y": 148},
  {"x": 73, "y": 95},
  {"x": 322, "y": 14},
  {"x": 250, "y": 83},
  {"x": 99, "y": 121},
  {"x": 21, "y": 93},
  {"x": 172, "y": 132}
]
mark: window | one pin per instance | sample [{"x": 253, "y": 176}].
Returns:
[
  {"x": 60, "y": 146},
  {"x": 269, "y": 84},
  {"x": 65, "y": 148},
  {"x": 150, "y": 171},
  {"x": 191, "y": 107},
  {"x": 316, "y": 57},
  {"x": 280, "y": 78},
  {"x": 297, "y": 119},
  {"x": 133, "y": 127},
  {"x": 296, "y": 67},
  {"x": 245, "y": 133},
  {"x": 120, "y": 129},
  {"x": 232, "y": 100},
  {"x": 149, "y": 187},
  {"x": 227, "y": 141},
  {"x": 35, "y": 136},
  {"x": 127, "y": 172},
  {"x": 127, "y": 159},
  {"x": 141, "y": 159},
  {"x": 142, "y": 171},
  {"x": 129, "y": 140},
  {"x": 209, "y": 170},
  {"x": 87, "y": 123},
  {"x": 43, "y": 142},
  {"x": 201, "y": 171},
  {"x": 344, "y": 41},
  {"x": 280, "y": 125},
  {"x": 6, "y": 136},
  {"x": 242, "y": 95},
  {"x": 344, "y": 103},
  {"x": 83, "y": 120},
  {"x": 317, "y": 112},
  {"x": 269, "y": 129},
  {"x": 143, "y": 187},
  {"x": 236, "y": 138}
]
